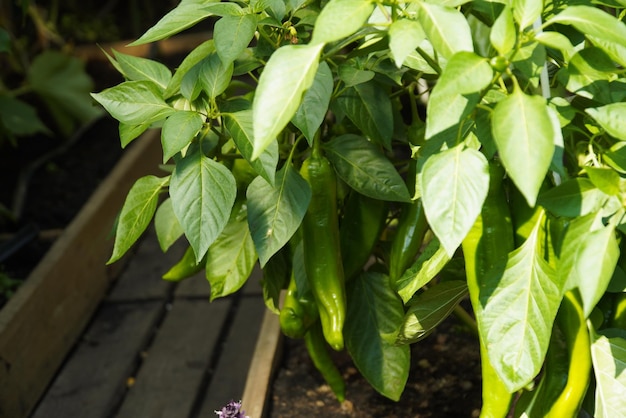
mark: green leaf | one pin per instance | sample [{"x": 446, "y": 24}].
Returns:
[
  {"x": 612, "y": 118},
  {"x": 63, "y": 84},
  {"x": 573, "y": 198},
  {"x": 528, "y": 62},
  {"x": 134, "y": 102},
  {"x": 168, "y": 229},
  {"x": 203, "y": 192},
  {"x": 184, "y": 16},
  {"x": 429, "y": 263},
  {"x": 454, "y": 186},
  {"x": 275, "y": 278},
  {"x": 616, "y": 157},
  {"x": 457, "y": 92},
  {"x": 275, "y": 212},
  {"x": 197, "y": 55},
  {"x": 339, "y": 19},
  {"x": 588, "y": 258},
  {"x": 312, "y": 110},
  {"x": 20, "y": 118},
  {"x": 361, "y": 164},
  {"x": 405, "y": 35},
  {"x": 289, "y": 72},
  {"x": 130, "y": 132},
  {"x": 589, "y": 73},
  {"x": 215, "y": 76},
  {"x": 232, "y": 257},
  {"x": 369, "y": 107},
  {"x": 519, "y": 308},
  {"x": 557, "y": 41},
  {"x": 608, "y": 354},
  {"x": 137, "y": 212},
  {"x": 592, "y": 21},
  {"x": 370, "y": 331},
  {"x": 523, "y": 132},
  {"x": 178, "y": 131},
  {"x": 526, "y": 12},
  {"x": 446, "y": 28},
  {"x": 138, "y": 68},
  {"x": 191, "y": 83},
  {"x": 429, "y": 309},
  {"x": 232, "y": 35},
  {"x": 503, "y": 34},
  {"x": 351, "y": 76},
  {"x": 239, "y": 124},
  {"x": 605, "y": 179}
]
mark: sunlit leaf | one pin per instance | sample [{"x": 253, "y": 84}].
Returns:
[
  {"x": 608, "y": 354},
  {"x": 139, "y": 68},
  {"x": 232, "y": 35},
  {"x": 446, "y": 28},
  {"x": 312, "y": 110},
  {"x": 612, "y": 118},
  {"x": 168, "y": 229},
  {"x": 405, "y": 35},
  {"x": 339, "y": 19}
]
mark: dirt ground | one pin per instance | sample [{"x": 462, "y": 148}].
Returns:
[{"x": 444, "y": 381}]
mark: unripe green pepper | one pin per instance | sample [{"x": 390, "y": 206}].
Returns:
[
  {"x": 298, "y": 312},
  {"x": 485, "y": 248},
  {"x": 361, "y": 225},
  {"x": 316, "y": 346},
  {"x": 322, "y": 254},
  {"x": 185, "y": 267},
  {"x": 412, "y": 227}
]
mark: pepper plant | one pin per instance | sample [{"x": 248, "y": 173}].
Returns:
[{"x": 382, "y": 160}]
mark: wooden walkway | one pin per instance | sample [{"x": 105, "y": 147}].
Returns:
[{"x": 158, "y": 349}]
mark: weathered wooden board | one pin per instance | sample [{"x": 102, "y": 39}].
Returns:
[
  {"x": 93, "y": 381},
  {"x": 176, "y": 363},
  {"x": 44, "y": 319}
]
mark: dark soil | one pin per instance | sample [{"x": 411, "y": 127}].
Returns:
[{"x": 444, "y": 381}]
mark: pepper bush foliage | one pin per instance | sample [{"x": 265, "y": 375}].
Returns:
[{"x": 449, "y": 84}]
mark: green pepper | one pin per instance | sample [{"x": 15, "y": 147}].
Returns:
[
  {"x": 485, "y": 249},
  {"x": 298, "y": 312},
  {"x": 572, "y": 323},
  {"x": 412, "y": 227},
  {"x": 316, "y": 346},
  {"x": 362, "y": 223},
  {"x": 322, "y": 254},
  {"x": 185, "y": 267}
]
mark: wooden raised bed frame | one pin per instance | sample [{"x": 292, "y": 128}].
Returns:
[{"x": 40, "y": 324}]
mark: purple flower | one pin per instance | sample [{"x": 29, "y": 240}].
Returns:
[{"x": 232, "y": 410}]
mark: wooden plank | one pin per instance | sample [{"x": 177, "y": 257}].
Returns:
[
  {"x": 177, "y": 361},
  {"x": 194, "y": 287},
  {"x": 142, "y": 279},
  {"x": 229, "y": 378},
  {"x": 264, "y": 361},
  {"x": 93, "y": 381},
  {"x": 42, "y": 321}
]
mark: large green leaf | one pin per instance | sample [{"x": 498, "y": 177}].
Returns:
[
  {"x": 365, "y": 168},
  {"x": 232, "y": 256},
  {"x": 612, "y": 118},
  {"x": 588, "y": 258},
  {"x": 429, "y": 309},
  {"x": 405, "y": 35},
  {"x": 239, "y": 124},
  {"x": 134, "y": 102},
  {"x": 429, "y": 263},
  {"x": 203, "y": 192},
  {"x": 178, "y": 131},
  {"x": 232, "y": 35},
  {"x": 368, "y": 106},
  {"x": 446, "y": 28},
  {"x": 457, "y": 92},
  {"x": 454, "y": 186},
  {"x": 589, "y": 74},
  {"x": 139, "y": 68},
  {"x": 186, "y": 15},
  {"x": 608, "y": 354},
  {"x": 215, "y": 75},
  {"x": 518, "y": 310},
  {"x": 523, "y": 131},
  {"x": 503, "y": 33},
  {"x": 370, "y": 332},
  {"x": 592, "y": 21},
  {"x": 605, "y": 179},
  {"x": 289, "y": 72},
  {"x": 312, "y": 110},
  {"x": 166, "y": 225},
  {"x": 275, "y": 212},
  {"x": 130, "y": 132},
  {"x": 20, "y": 118},
  {"x": 340, "y": 18},
  {"x": 137, "y": 212}
]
